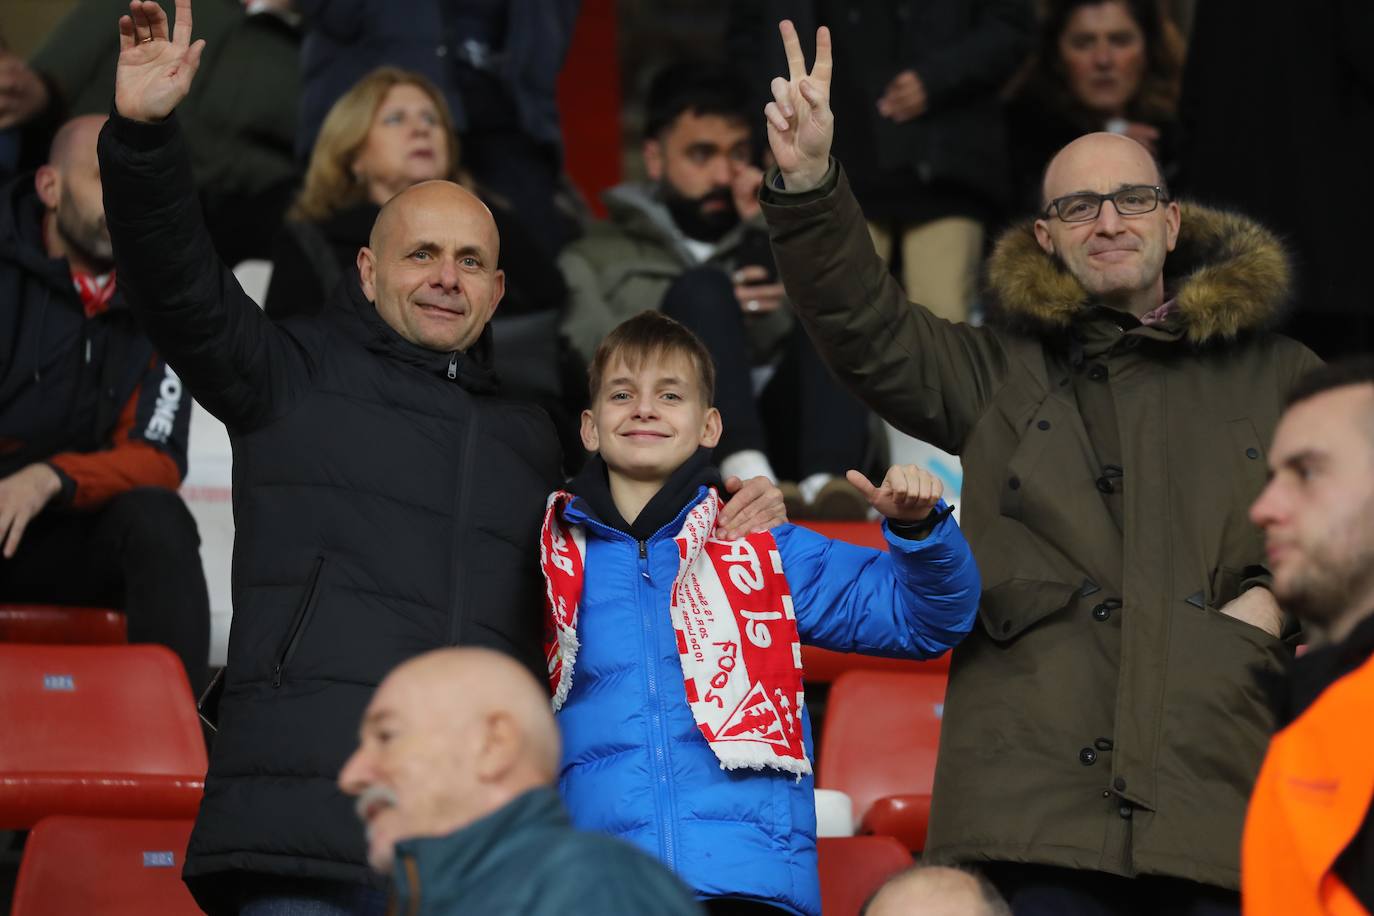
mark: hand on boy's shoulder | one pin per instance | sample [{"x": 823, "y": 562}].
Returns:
[
  {"x": 907, "y": 494},
  {"x": 755, "y": 505}
]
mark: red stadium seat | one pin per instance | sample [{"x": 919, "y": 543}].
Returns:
[
  {"x": 881, "y": 733},
  {"x": 821, "y": 665},
  {"x": 853, "y": 868},
  {"x": 106, "y": 866},
  {"x": 108, "y": 731},
  {"x": 51, "y": 623}
]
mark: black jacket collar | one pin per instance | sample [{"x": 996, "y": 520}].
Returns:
[
  {"x": 593, "y": 486},
  {"x": 21, "y": 241},
  {"x": 1320, "y": 668},
  {"x": 471, "y": 369}
]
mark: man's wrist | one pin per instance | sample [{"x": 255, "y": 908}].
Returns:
[
  {"x": 803, "y": 180},
  {"x": 50, "y": 481}
]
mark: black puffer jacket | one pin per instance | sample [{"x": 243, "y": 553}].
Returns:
[{"x": 384, "y": 504}]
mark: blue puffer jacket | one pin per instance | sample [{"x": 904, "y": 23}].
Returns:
[{"x": 634, "y": 763}]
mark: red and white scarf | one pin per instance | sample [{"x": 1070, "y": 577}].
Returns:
[
  {"x": 95, "y": 291},
  {"x": 736, "y": 635}
]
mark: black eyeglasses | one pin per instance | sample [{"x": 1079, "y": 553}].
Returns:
[{"x": 1132, "y": 201}]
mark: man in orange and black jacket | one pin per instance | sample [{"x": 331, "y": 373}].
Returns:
[
  {"x": 93, "y": 423},
  {"x": 1309, "y": 834}
]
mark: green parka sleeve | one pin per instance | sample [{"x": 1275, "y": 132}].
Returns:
[{"x": 926, "y": 376}]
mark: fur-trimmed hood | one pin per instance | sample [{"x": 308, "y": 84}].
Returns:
[{"x": 1228, "y": 274}]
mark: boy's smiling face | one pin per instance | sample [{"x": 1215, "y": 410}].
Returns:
[{"x": 646, "y": 422}]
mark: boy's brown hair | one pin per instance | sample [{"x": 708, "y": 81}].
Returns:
[{"x": 651, "y": 335}]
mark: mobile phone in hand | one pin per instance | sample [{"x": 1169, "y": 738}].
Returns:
[{"x": 754, "y": 250}]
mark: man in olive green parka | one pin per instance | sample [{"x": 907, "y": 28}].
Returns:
[{"x": 1103, "y": 722}]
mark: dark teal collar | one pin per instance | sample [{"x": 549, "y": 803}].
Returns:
[{"x": 444, "y": 866}]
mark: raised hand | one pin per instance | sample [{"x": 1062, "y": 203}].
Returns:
[
  {"x": 154, "y": 71},
  {"x": 907, "y": 493},
  {"x": 801, "y": 125}
]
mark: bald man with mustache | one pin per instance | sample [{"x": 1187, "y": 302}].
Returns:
[
  {"x": 453, "y": 777},
  {"x": 387, "y": 499}
]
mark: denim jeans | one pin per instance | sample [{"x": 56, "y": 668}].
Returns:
[{"x": 312, "y": 897}]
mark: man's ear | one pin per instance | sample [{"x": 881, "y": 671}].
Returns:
[
  {"x": 500, "y": 750},
  {"x": 47, "y": 181},
  {"x": 1173, "y": 222},
  {"x": 711, "y": 430},
  {"x": 653, "y": 159},
  {"x": 498, "y": 291},
  {"x": 367, "y": 271},
  {"x": 1042, "y": 235},
  {"x": 591, "y": 440}
]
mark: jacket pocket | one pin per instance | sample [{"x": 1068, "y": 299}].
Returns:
[
  {"x": 1007, "y": 610},
  {"x": 299, "y": 621},
  {"x": 1225, "y": 588}
]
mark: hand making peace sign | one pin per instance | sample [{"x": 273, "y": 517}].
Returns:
[
  {"x": 800, "y": 122},
  {"x": 154, "y": 72}
]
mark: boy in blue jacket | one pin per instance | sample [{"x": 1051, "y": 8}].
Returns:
[{"x": 675, "y": 658}]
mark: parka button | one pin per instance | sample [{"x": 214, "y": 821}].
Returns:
[
  {"x": 1119, "y": 784},
  {"x": 1087, "y": 756},
  {"x": 1014, "y": 483},
  {"x": 1104, "y": 485},
  {"x": 1043, "y": 424},
  {"x": 1097, "y": 372},
  {"x": 1101, "y": 612},
  {"x": 1125, "y": 811},
  {"x": 1252, "y": 452}
]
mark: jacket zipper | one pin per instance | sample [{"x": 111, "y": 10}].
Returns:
[
  {"x": 298, "y": 624},
  {"x": 649, "y": 632},
  {"x": 413, "y": 879},
  {"x": 460, "y": 529},
  {"x": 453, "y": 366},
  {"x": 660, "y": 740}
]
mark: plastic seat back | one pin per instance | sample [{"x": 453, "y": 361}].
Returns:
[
  {"x": 882, "y": 730},
  {"x": 854, "y": 867},
  {"x": 52, "y": 623},
  {"x": 105, "y": 731},
  {"x": 113, "y": 867}
]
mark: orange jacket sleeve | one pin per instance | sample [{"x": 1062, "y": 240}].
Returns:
[{"x": 90, "y": 479}]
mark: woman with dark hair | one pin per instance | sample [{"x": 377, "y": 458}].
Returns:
[{"x": 1111, "y": 65}]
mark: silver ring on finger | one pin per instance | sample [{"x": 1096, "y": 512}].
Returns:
[{"x": 752, "y": 305}]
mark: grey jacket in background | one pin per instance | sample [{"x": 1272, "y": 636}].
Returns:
[{"x": 625, "y": 264}]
